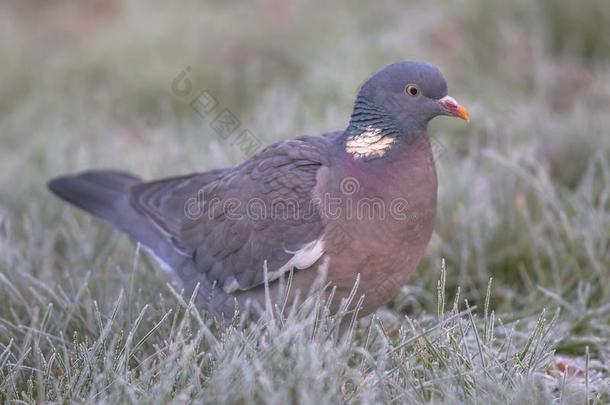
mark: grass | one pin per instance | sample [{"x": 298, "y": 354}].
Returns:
[{"x": 524, "y": 200}]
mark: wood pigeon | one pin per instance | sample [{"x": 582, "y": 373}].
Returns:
[{"x": 357, "y": 203}]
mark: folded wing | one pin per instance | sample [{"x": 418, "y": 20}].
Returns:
[{"x": 231, "y": 221}]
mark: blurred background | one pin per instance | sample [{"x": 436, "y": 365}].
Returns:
[{"x": 524, "y": 188}]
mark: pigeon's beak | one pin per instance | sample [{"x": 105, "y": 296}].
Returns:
[{"x": 452, "y": 108}]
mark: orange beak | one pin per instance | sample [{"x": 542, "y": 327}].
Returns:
[{"x": 454, "y": 109}]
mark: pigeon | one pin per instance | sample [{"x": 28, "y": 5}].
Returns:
[{"x": 354, "y": 208}]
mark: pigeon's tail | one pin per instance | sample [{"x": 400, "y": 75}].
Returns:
[
  {"x": 101, "y": 193},
  {"x": 106, "y": 195}
]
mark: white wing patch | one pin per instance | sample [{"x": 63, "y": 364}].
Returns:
[{"x": 302, "y": 259}]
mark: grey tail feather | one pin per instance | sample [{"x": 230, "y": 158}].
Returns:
[
  {"x": 98, "y": 192},
  {"x": 106, "y": 195}
]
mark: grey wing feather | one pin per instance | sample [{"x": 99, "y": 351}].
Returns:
[{"x": 231, "y": 221}]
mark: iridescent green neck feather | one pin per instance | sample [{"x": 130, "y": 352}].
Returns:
[{"x": 372, "y": 130}]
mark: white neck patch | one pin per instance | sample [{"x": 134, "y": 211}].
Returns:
[{"x": 370, "y": 143}]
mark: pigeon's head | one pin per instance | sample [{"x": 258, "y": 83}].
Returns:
[{"x": 404, "y": 96}]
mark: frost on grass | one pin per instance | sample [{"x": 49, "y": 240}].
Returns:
[
  {"x": 524, "y": 198},
  {"x": 168, "y": 350}
]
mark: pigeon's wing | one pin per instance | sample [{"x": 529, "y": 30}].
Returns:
[{"x": 234, "y": 220}]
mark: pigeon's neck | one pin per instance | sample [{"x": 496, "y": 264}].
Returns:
[{"x": 372, "y": 131}]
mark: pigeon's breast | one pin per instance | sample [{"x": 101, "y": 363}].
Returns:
[{"x": 385, "y": 221}]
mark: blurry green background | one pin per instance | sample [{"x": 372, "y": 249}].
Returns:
[
  {"x": 524, "y": 195},
  {"x": 524, "y": 187}
]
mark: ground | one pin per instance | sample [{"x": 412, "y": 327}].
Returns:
[{"x": 510, "y": 305}]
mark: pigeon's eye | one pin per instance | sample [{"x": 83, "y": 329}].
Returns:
[{"x": 412, "y": 89}]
